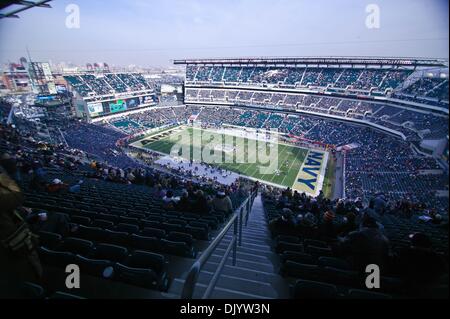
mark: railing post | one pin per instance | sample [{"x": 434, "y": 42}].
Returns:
[
  {"x": 235, "y": 241},
  {"x": 241, "y": 217}
]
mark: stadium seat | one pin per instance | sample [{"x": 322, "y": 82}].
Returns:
[
  {"x": 343, "y": 277},
  {"x": 90, "y": 233},
  {"x": 144, "y": 259},
  {"x": 200, "y": 225},
  {"x": 80, "y": 220},
  {"x": 56, "y": 258},
  {"x": 285, "y": 246},
  {"x": 128, "y": 220},
  {"x": 305, "y": 289},
  {"x": 197, "y": 232},
  {"x": 146, "y": 243},
  {"x": 153, "y": 232},
  {"x": 315, "y": 243},
  {"x": 298, "y": 257},
  {"x": 318, "y": 251},
  {"x": 77, "y": 246},
  {"x": 181, "y": 237},
  {"x": 177, "y": 222},
  {"x": 64, "y": 295},
  {"x": 152, "y": 224},
  {"x": 288, "y": 239},
  {"x": 93, "y": 267},
  {"x": 112, "y": 218},
  {"x": 31, "y": 291},
  {"x": 117, "y": 238},
  {"x": 303, "y": 271},
  {"x": 146, "y": 278},
  {"x": 105, "y": 224},
  {"x": 110, "y": 252},
  {"x": 136, "y": 215},
  {"x": 172, "y": 227},
  {"x": 127, "y": 228},
  {"x": 334, "y": 263},
  {"x": 50, "y": 240},
  {"x": 177, "y": 248}
]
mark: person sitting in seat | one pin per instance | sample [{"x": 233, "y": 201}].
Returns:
[
  {"x": 201, "y": 205},
  {"x": 222, "y": 203},
  {"x": 283, "y": 224},
  {"x": 40, "y": 220},
  {"x": 419, "y": 266},
  {"x": 366, "y": 246},
  {"x": 184, "y": 205},
  {"x": 327, "y": 229},
  {"x": 57, "y": 186},
  {"x": 169, "y": 201}
]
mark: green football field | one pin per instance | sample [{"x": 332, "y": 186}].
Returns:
[{"x": 289, "y": 158}]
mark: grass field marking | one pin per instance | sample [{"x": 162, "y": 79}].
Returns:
[
  {"x": 290, "y": 167},
  {"x": 281, "y": 161},
  {"x": 154, "y": 133}
]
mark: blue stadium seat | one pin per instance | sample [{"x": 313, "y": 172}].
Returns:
[
  {"x": 50, "y": 240},
  {"x": 146, "y": 243},
  {"x": 146, "y": 278},
  {"x": 77, "y": 246},
  {"x": 306, "y": 289},
  {"x": 127, "y": 228},
  {"x": 93, "y": 267},
  {"x": 298, "y": 257},
  {"x": 285, "y": 246},
  {"x": 334, "y": 263},
  {"x": 110, "y": 252},
  {"x": 181, "y": 237},
  {"x": 105, "y": 224},
  {"x": 56, "y": 258},
  {"x": 153, "y": 232}
]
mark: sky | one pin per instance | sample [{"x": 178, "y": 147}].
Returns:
[{"x": 151, "y": 33}]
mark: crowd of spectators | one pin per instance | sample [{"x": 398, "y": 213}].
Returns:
[
  {"x": 356, "y": 234},
  {"x": 110, "y": 83},
  {"x": 361, "y": 79}
]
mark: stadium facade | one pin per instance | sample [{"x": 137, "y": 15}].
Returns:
[{"x": 407, "y": 97}]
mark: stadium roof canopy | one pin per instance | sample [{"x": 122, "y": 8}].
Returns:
[
  {"x": 365, "y": 61},
  {"x": 11, "y": 8}
]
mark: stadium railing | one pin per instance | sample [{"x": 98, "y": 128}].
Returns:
[{"x": 238, "y": 220}]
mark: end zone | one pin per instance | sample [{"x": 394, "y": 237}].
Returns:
[{"x": 311, "y": 176}]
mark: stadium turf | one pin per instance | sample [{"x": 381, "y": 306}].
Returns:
[{"x": 290, "y": 158}]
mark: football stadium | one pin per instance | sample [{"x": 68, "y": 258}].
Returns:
[{"x": 301, "y": 177}]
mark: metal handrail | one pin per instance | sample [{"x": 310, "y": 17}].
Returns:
[{"x": 192, "y": 276}]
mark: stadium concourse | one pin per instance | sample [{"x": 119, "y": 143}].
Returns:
[{"x": 136, "y": 225}]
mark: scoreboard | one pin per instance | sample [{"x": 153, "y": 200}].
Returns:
[{"x": 119, "y": 105}]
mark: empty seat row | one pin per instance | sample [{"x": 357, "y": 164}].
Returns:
[
  {"x": 322, "y": 261},
  {"x": 282, "y": 246},
  {"x": 141, "y": 268},
  {"x": 306, "y": 289},
  {"x": 33, "y": 291},
  {"x": 336, "y": 276},
  {"x": 178, "y": 244}
]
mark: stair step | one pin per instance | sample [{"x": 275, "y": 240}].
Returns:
[
  {"x": 244, "y": 264},
  {"x": 218, "y": 293},
  {"x": 240, "y": 284},
  {"x": 248, "y": 250},
  {"x": 240, "y": 255},
  {"x": 250, "y": 241},
  {"x": 238, "y": 271}
]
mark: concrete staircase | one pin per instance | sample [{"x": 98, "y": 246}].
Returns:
[{"x": 255, "y": 275}]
